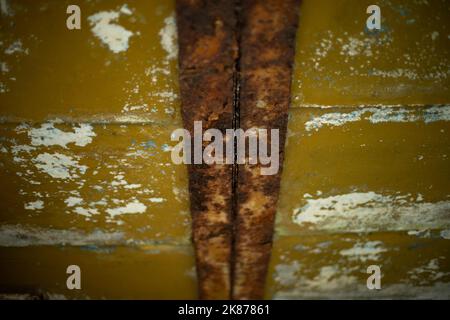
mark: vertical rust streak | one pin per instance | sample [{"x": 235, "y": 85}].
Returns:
[
  {"x": 266, "y": 59},
  {"x": 208, "y": 51}
]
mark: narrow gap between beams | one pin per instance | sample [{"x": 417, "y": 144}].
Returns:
[{"x": 236, "y": 125}]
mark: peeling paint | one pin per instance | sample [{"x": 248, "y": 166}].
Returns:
[
  {"x": 5, "y": 8},
  {"x": 48, "y": 135},
  {"x": 364, "y": 251},
  {"x": 410, "y": 268},
  {"x": 329, "y": 279},
  {"x": 59, "y": 166},
  {"x": 73, "y": 201},
  {"x": 21, "y": 148},
  {"x": 370, "y": 211},
  {"x": 35, "y": 205},
  {"x": 445, "y": 234},
  {"x": 428, "y": 272},
  {"x": 130, "y": 208},
  {"x": 85, "y": 212},
  {"x": 168, "y": 36},
  {"x": 111, "y": 34},
  {"x": 379, "y": 115},
  {"x": 25, "y": 236},
  {"x": 347, "y": 287},
  {"x": 285, "y": 274},
  {"x": 16, "y": 47}
]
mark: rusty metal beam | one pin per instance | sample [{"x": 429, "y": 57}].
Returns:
[
  {"x": 233, "y": 207},
  {"x": 208, "y": 52},
  {"x": 267, "y": 50}
]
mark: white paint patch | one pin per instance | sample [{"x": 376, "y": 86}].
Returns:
[
  {"x": 48, "y": 135},
  {"x": 16, "y": 47},
  {"x": 445, "y": 234},
  {"x": 434, "y": 35},
  {"x": 101, "y": 202},
  {"x": 157, "y": 200},
  {"x": 59, "y": 166},
  {"x": 420, "y": 233},
  {"x": 15, "y": 150},
  {"x": 427, "y": 273},
  {"x": 3, "y": 88},
  {"x": 329, "y": 279},
  {"x": 35, "y": 205},
  {"x": 130, "y": 208},
  {"x": 396, "y": 73},
  {"x": 5, "y": 8},
  {"x": 437, "y": 113},
  {"x": 286, "y": 274},
  {"x": 4, "y": 68},
  {"x": 166, "y": 148},
  {"x": 21, "y": 128},
  {"x": 355, "y": 47},
  {"x": 165, "y": 96},
  {"x": 364, "y": 251},
  {"x": 127, "y": 108},
  {"x": 87, "y": 212},
  {"x": 132, "y": 186},
  {"x": 379, "y": 115},
  {"x": 168, "y": 36},
  {"x": 21, "y": 236},
  {"x": 111, "y": 34},
  {"x": 126, "y": 10},
  {"x": 370, "y": 211},
  {"x": 348, "y": 287},
  {"x": 341, "y": 281},
  {"x": 73, "y": 201},
  {"x": 334, "y": 119},
  {"x": 19, "y": 159}
]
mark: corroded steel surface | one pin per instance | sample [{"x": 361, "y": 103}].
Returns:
[
  {"x": 267, "y": 53},
  {"x": 208, "y": 50}
]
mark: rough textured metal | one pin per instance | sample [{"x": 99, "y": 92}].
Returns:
[
  {"x": 266, "y": 57},
  {"x": 208, "y": 50}
]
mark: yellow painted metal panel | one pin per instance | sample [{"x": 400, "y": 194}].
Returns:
[
  {"x": 49, "y": 71},
  {"x": 366, "y": 173},
  {"x": 118, "y": 178},
  {"x": 86, "y": 120},
  {"x": 153, "y": 272},
  {"x": 335, "y": 266},
  {"x": 340, "y": 62},
  {"x": 360, "y": 169}
]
